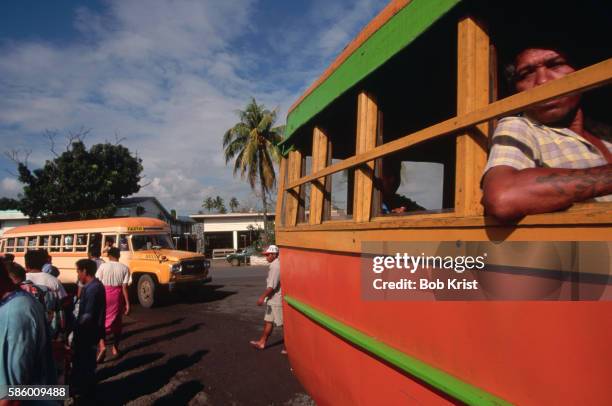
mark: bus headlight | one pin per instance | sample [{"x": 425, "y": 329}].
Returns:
[{"x": 176, "y": 268}]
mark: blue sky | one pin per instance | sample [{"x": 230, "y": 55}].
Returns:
[{"x": 166, "y": 75}]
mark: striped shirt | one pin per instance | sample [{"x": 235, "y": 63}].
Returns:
[{"x": 521, "y": 143}]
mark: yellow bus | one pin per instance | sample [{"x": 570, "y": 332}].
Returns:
[{"x": 145, "y": 244}]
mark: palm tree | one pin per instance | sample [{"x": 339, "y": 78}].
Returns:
[
  {"x": 209, "y": 204},
  {"x": 252, "y": 142},
  {"x": 219, "y": 204},
  {"x": 233, "y": 204}
]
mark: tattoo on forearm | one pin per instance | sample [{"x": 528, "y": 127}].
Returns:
[{"x": 577, "y": 184}]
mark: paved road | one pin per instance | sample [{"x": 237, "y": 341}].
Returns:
[{"x": 194, "y": 350}]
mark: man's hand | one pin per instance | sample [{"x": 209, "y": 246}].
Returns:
[
  {"x": 509, "y": 193},
  {"x": 261, "y": 300},
  {"x": 127, "y": 309}
]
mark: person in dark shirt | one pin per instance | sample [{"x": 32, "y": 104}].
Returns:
[
  {"x": 88, "y": 331},
  {"x": 388, "y": 183}
]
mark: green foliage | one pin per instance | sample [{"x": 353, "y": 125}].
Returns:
[
  {"x": 252, "y": 144},
  {"x": 215, "y": 203},
  {"x": 220, "y": 205},
  {"x": 9, "y": 204},
  {"x": 234, "y": 204},
  {"x": 80, "y": 183},
  {"x": 209, "y": 203}
]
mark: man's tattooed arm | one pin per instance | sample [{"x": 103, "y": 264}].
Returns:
[
  {"x": 510, "y": 194},
  {"x": 581, "y": 184}
]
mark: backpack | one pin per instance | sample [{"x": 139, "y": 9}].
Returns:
[
  {"x": 53, "y": 306},
  {"x": 42, "y": 293}
]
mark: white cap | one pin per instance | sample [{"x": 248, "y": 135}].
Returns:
[{"x": 272, "y": 249}]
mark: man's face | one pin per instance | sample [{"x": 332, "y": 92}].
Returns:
[
  {"x": 534, "y": 67},
  {"x": 270, "y": 257},
  {"x": 81, "y": 276}
]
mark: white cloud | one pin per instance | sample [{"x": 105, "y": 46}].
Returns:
[
  {"x": 168, "y": 76},
  {"x": 10, "y": 187}
]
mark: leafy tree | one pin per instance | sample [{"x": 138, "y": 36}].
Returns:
[
  {"x": 209, "y": 203},
  {"x": 80, "y": 183},
  {"x": 7, "y": 203},
  {"x": 252, "y": 144},
  {"x": 233, "y": 204}
]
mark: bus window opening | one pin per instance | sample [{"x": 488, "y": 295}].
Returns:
[{"x": 141, "y": 242}]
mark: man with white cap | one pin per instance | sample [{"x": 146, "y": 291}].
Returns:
[{"x": 272, "y": 297}]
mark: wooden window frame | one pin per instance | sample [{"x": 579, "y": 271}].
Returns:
[{"x": 477, "y": 110}]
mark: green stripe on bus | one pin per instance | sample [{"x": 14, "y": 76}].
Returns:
[
  {"x": 392, "y": 37},
  {"x": 438, "y": 379}
]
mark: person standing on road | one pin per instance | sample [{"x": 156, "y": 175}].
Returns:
[
  {"x": 115, "y": 277},
  {"x": 271, "y": 297},
  {"x": 26, "y": 356},
  {"x": 89, "y": 330}
]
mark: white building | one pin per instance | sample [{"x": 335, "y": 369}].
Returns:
[
  {"x": 148, "y": 206},
  {"x": 11, "y": 219},
  {"x": 230, "y": 230}
]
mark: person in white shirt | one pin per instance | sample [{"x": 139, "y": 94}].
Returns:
[
  {"x": 272, "y": 297},
  {"x": 34, "y": 261},
  {"x": 115, "y": 277}
]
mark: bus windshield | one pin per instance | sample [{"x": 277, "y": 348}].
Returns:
[{"x": 142, "y": 242}]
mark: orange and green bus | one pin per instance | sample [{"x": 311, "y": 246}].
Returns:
[{"x": 422, "y": 84}]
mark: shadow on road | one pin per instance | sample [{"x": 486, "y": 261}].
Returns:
[
  {"x": 203, "y": 294},
  {"x": 125, "y": 365},
  {"x": 150, "y": 328},
  {"x": 133, "y": 386},
  {"x": 164, "y": 337},
  {"x": 182, "y": 394}
]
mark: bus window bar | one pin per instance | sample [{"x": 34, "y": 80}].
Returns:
[{"x": 591, "y": 77}]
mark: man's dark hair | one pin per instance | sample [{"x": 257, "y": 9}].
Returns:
[
  {"x": 9, "y": 257},
  {"x": 88, "y": 266},
  {"x": 114, "y": 252},
  {"x": 94, "y": 253},
  {"x": 5, "y": 281},
  {"x": 16, "y": 271},
  {"x": 36, "y": 259}
]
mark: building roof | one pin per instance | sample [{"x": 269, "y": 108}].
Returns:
[
  {"x": 135, "y": 200},
  {"x": 229, "y": 215},
  {"x": 12, "y": 215}
]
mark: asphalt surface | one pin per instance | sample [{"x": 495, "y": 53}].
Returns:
[{"x": 194, "y": 349}]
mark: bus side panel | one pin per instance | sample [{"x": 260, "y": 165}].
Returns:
[
  {"x": 528, "y": 353},
  {"x": 336, "y": 373}
]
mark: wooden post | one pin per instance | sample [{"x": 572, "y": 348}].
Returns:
[
  {"x": 320, "y": 143},
  {"x": 282, "y": 174},
  {"x": 367, "y": 126},
  {"x": 294, "y": 171},
  {"x": 472, "y": 93}
]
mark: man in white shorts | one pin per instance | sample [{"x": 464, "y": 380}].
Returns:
[{"x": 271, "y": 297}]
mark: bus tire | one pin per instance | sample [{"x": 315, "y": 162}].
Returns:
[{"x": 146, "y": 291}]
